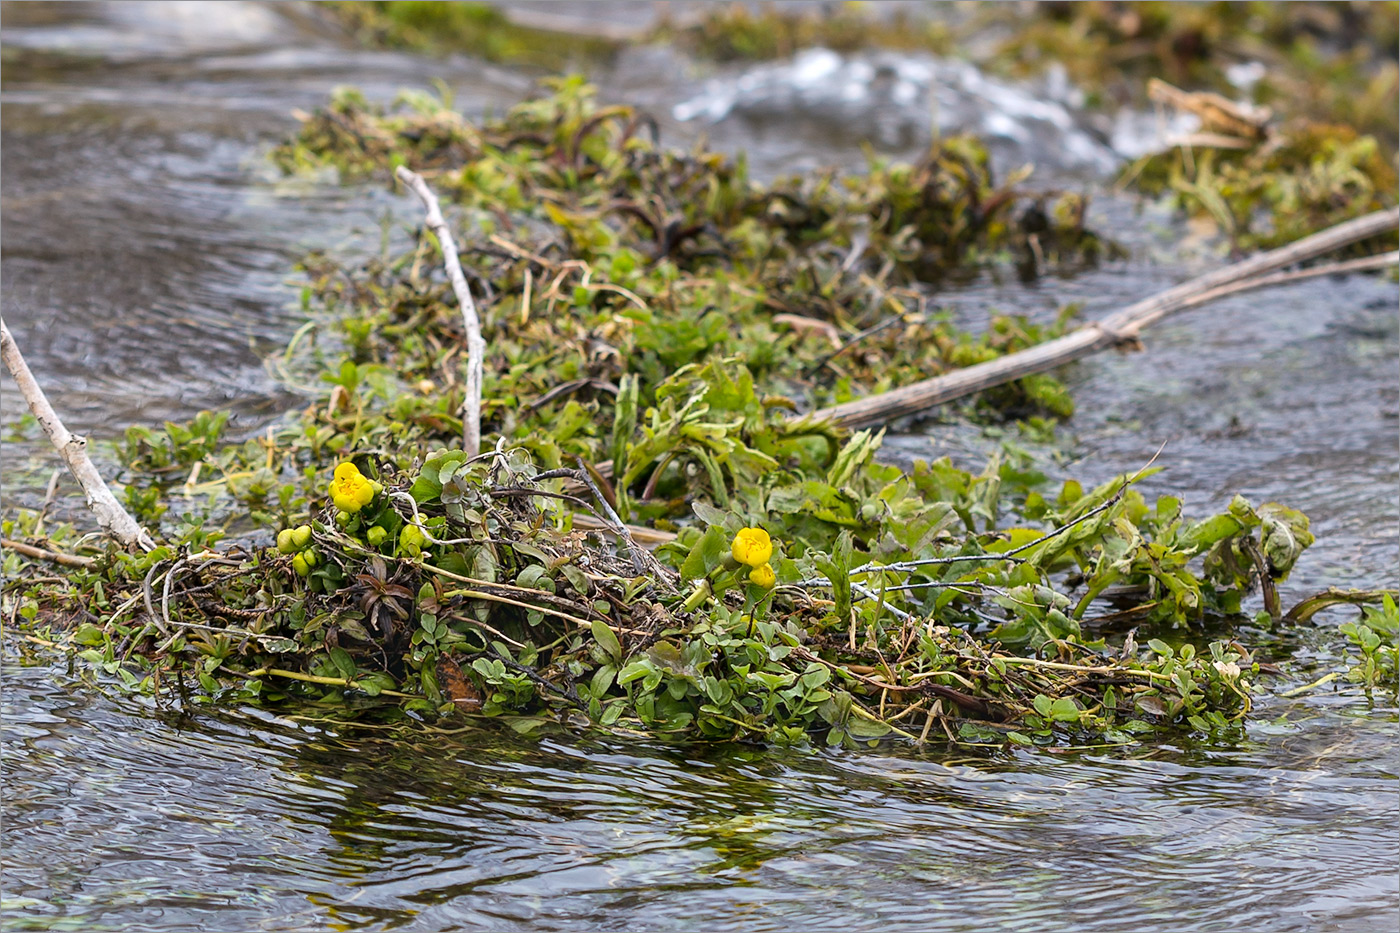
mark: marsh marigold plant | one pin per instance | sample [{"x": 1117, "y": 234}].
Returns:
[{"x": 350, "y": 489}]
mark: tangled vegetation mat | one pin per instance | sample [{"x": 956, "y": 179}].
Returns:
[{"x": 656, "y": 535}]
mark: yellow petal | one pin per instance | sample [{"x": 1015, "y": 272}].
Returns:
[{"x": 752, "y": 546}]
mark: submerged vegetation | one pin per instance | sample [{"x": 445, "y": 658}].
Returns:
[{"x": 656, "y": 324}]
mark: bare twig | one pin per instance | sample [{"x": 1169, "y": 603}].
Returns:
[
  {"x": 417, "y": 521},
  {"x": 1116, "y": 329},
  {"x": 618, "y": 525},
  {"x": 114, "y": 519},
  {"x": 650, "y": 537},
  {"x": 476, "y": 346},
  {"x": 1363, "y": 264},
  {"x": 38, "y": 553}
]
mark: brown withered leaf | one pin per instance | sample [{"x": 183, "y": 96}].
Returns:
[{"x": 456, "y": 685}]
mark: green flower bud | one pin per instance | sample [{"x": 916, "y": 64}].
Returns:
[
  {"x": 376, "y": 535},
  {"x": 411, "y": 541},
  {"x": 301, "y": 536},
  {"x": 284, "y": 541},
  {"x": 300, "y": 565}
]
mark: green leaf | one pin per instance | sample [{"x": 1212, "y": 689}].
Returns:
[
  {"x": 343, "y": 662},
  {"x": 484, "y": 564},
  {"x": 857, "y": 451},
  {"x": 624, "y": 421},
  {"x": 534, "y": 577},
  {"x": 602, "y": 680},
  {"x": 578, "y": 580},
  {"x": 708, "y": 513},
  {"x": 707, "y": 554},
  {"x": 861, "y": 728},
  {"x": 430, "y": 685},
  {"x": 607, "y": 638},
  {"x": 636, "y": 670},
  {"x": 89, "y": 634},
  {"x": 1065, "y": 710}
]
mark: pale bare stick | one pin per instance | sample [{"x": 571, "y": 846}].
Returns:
[
  {"x": 114, "y": 519},
  {"x": 1363, "y": 264},
  {"x": 476, "y": 346},
  {"x": 1116, "y": 329},
  {"x": 38, "y": 553}
]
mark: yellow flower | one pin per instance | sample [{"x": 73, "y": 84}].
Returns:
[
  {"x": 752, "y": 546},
  {"x": 763, "y": 576},
  {"x": 350, "y": 491}
]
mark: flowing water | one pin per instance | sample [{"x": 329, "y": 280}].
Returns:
[{"x": 147, "y": 253}]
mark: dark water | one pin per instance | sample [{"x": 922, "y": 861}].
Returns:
[{"x": 147, "y": 250}]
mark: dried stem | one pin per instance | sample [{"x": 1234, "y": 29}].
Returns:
[
  {"x": 618, "y": 526},
  {"x": 476, "y": 346},
  {"x": 38, "y": 553},
  {"x": 1116, "y": 329},
  {"x": 114, "y": 519}
]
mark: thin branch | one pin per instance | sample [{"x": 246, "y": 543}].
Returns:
[
  {"x": 1363, "y": 264},
  {"x": 38, "y": 553},
  {"x": 1119, "y": 328},
  {"x": 476, "y": 346},
  {"x": 114, "y": 519},
  {"x": 909, "y": 565},
  {"x": 619, "y": 527}
]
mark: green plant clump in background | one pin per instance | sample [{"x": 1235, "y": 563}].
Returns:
[
  {"x": 1278, "y": 188},
  {"x": 478, "y": 29},
  {"x": 1327, "y": 70},
  {"x": 605, "y": 255}
]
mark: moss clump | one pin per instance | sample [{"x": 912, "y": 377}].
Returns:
[
  {"x": 1284, "y": 186},
  {"x": 479, "y": 29},
  {"x": 1330, "y": 62},
  {"x": 738, "y": 32}
]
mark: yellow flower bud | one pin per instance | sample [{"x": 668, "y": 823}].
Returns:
[
  {"x": 752, "y": 546},
  {"x": 301, "y": 536},
  {"x": 284, "y": 541},
  {"x": 300, "y": 566},
  {"x": 763, "y": 576}
]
